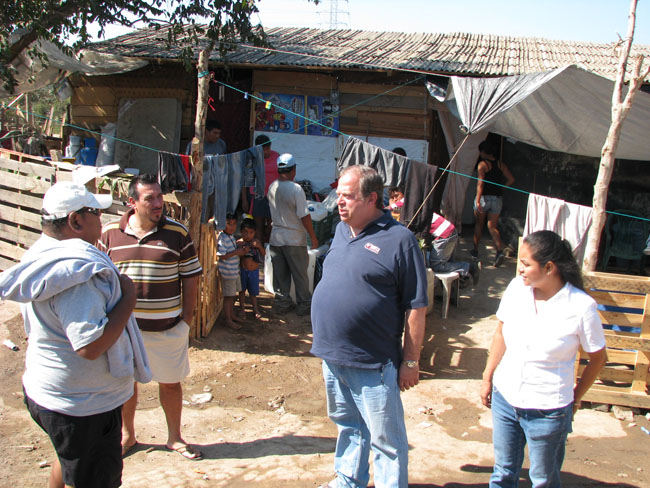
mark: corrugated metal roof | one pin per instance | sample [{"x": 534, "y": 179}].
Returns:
[{"x": 455, "y": 53}]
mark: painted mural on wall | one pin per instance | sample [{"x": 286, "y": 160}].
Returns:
[{"x": 283, "y": 114}]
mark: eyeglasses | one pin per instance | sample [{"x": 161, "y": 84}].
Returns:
[{"x": 94, "y": 211}]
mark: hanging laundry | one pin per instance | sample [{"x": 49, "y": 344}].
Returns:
[
  {"x": 224, "y": 176},
  {"x": 186, "y": 161},
  {"x": 171, "y": 174},
  {"x": 390, "y": 166},
  {"x": 568, "y": 220},
  {"x": 420, "y": 179}
]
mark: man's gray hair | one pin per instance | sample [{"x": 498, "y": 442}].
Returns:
[{"x": 369, "y": 182}]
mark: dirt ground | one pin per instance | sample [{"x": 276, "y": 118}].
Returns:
[{"x": 266, "y": 425}]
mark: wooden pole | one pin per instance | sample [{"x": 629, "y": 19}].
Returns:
[
  {"x": 197, "y": 151},
  {"x": 620, "y": 108}
]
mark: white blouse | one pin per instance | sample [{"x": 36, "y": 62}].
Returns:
[{"x": 537, "y": 369}]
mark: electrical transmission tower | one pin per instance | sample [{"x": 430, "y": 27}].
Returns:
[{"x": 335, "y": 14}]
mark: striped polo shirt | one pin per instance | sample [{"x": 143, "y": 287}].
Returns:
[
  {"x": 228, "y": 267},
  {"x": 156, "y": 264}
]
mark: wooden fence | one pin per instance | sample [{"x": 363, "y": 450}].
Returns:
[
  {"x": 626, "y": 305},
  {"x": 24, "y": 179}
]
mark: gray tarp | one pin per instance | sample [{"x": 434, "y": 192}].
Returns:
[
  {"x": 566, "y": 110},
  {"x": 32, "y": 75}
]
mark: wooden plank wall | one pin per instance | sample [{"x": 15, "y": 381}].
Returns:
[
  {"x": 24, "y": 180},
  {"x": 96, "y": 99},
  {"x": 626, "y": 377},
  {"x": 402, "y": 113}
]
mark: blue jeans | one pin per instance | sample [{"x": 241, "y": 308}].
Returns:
[
  {"x": 366, "y": 407},
  {"x": 545, "y": 431},
  {"x": 442, "y": 254}
]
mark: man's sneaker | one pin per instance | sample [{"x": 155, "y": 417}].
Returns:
[
  {"x": 498, "y": 261},
  {"x": 474, "y": 253},
  {"x": 646, "y": 251},
  {"x": 475, "y": 271}
]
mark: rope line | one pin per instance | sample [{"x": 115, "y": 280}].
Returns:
[{"x": 312, "y": 121}]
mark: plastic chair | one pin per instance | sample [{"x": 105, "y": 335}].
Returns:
[{"x": 625, "y": 238}]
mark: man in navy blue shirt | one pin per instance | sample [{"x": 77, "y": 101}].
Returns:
[{"x": 373, "y": 277}]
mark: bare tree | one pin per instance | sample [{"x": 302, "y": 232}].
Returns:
[{"x": 620, "y": 108}]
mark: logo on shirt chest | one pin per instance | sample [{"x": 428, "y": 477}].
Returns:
[{"x": 372, "y": 248}]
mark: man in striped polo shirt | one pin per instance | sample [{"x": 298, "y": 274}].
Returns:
[{"x": 158, "y": 254}]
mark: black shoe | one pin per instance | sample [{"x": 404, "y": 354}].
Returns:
[
  {"x": 475, "y": 271},
  {"x": 498, "y": 261},
  {"x": 474, "y": 253},
  {"x": 301, "y": 311},
  {"x": 283, "y": 306}
]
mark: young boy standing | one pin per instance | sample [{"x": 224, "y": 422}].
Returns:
[
  {"x": 250, "y": 266},
  {"x": 228, "y": 254}
]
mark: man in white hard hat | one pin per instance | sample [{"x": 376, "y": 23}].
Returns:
[
  {"x": 288, "y": 242},
  {"x": 81, "y": 362}
]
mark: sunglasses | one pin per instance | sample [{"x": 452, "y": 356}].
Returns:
[{"x": 94, "y": 211}]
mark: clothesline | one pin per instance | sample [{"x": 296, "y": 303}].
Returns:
[{"x": 314, "y": 121}]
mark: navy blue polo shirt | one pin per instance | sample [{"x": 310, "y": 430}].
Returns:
[{"x": 368, "y": 283}]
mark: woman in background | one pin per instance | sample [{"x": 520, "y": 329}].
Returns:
[
  {"x": 489, "y": 200},
  {"x": 544, "y": 317}
]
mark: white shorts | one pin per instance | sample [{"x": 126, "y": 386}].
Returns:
[{"x": 167, "y": 353}]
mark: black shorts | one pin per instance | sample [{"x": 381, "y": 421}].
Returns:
[
  {"x": 258, "y": 207},
  {"x": 89, "y": 448}
]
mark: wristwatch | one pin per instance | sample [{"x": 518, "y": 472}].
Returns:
[{"x": 409, "y": 363}]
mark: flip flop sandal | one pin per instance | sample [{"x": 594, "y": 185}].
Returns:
[{"x": 188, "y": 452}]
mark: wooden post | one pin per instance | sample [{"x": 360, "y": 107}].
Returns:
[
  {"x": 196, "y": 229},
  {"x": 620, "y": 108}
]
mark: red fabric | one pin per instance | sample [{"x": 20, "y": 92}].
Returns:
[
  {"x": 438, "y": 221},
  {"x": 270, "y": 170},
  {"x": 185, "y": 160}
]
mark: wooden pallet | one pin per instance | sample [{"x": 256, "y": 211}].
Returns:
[{"x": 625, "y": 378}]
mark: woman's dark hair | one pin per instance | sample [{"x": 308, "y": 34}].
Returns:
[
  {"x": 400, "y": 151},
  {"x": 546, "y": 246},
  {"x": 489, "y": 147}
]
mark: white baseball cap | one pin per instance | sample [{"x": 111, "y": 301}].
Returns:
[
  {"x": 286, "y": 161},
  {"x": 65, "y": 197}
]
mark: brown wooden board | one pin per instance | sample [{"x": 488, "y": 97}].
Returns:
[
  {"x": 24, "y": 183},
  {"x": 19, "y": 236},
  {"x": 625, "y": 378},
  {"x": 27, "y": 168},
  {"x": 20, "y": 217},
  {"x": 21, "y": 199},
  {"x": 6, "y": 263},
  {"x": 11, "y": 250}
]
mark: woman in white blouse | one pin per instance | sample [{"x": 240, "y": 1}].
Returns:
[{"x": 544, "y": 317}]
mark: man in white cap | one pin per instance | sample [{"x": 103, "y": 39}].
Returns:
[
  {"x": 288, "y": 241},
  {"x": 81, "y": 362}
]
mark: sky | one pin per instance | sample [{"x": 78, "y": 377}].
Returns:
[{"x": 571, "y": 20}]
